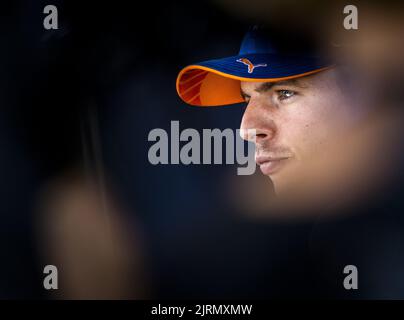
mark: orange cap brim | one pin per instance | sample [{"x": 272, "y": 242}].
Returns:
[{"x": 202, "y": 86}]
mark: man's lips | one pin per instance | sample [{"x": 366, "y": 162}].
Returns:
[{"x": 270, "y": 165}]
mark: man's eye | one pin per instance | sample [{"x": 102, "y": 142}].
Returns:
[{"x": 285, "y": 94}]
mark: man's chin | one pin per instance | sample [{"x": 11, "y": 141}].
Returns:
[
  {"x": 285, "y": 178},
  {"x": 291, "y": 186},
  {"x": 281, "y": 188}
]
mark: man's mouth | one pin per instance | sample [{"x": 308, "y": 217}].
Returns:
[{"x": 270, "y": 165}]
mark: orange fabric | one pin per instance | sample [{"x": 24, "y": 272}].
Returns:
[
  {"x": 217, "y": 90},
  {"x": 202, "y": 86}
]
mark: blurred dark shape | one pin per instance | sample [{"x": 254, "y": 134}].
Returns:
[{"x": 84, "y": 234}]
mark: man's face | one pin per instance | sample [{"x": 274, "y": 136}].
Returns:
[{"x": 295, "y": 121}]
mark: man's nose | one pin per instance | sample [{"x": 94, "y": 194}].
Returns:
[{"x": 257, "y": 125}]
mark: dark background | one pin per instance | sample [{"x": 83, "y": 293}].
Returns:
[{"x": 117, "y": 63}]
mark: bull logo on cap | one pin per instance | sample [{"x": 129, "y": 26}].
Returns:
[{"x": 250, "y": 65}]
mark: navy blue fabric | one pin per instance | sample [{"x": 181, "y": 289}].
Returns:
[
  {"x": 257, "y": 48},
  {"x": 254, "y": 42},
  {"x": 276, "y": 66}
]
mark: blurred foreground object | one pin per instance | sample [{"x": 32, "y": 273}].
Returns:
[{"x": 89, "y": 242}]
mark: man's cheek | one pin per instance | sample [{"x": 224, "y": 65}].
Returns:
[{"x": 301, "y": 139}]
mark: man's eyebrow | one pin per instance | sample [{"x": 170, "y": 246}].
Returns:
[
  {"x": 243, "y": 94},
  {"x": 266, "y": 86}
]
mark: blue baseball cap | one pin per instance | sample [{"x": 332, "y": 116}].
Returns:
[{"x": 217, "y": 82}]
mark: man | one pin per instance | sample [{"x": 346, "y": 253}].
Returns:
[
  {"x": 325, "y": 142},
  {"x": 295, "y": 102}
]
